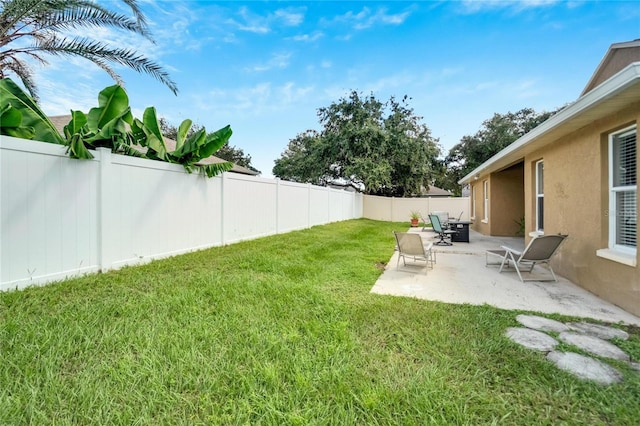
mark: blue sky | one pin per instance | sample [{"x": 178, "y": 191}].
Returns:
[{"x": 266, "y": 67}]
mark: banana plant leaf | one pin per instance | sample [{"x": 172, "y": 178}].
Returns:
[
  {"x": 11, "y": 117},
  {"x": 113, "y": 133},
  {"x": 183, "y": 130},
  {"x": 11, "y": 124},
  {"x": 111, "y": 125},
  {"x": 32, "y": 116},
  {"x": 77, "y": 148},
  {"x": 112, "y": 102},
  {"x": 188, "y": 152},
  {"x": 201, "y": 145},
  {"x": 147, "y": 133},
  {"x": 76, "y": 124},
  {"x": 215, "y": 141},
  {"x": 215, "y": 169}
]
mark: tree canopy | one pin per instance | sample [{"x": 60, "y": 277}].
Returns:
[
  {"x": 380, "y": 148},
  {"x": 30, "y": 29},
  {"x": 495, "y": 134}
]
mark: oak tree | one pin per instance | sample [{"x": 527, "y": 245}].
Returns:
[{"x": 380, "y": 148}]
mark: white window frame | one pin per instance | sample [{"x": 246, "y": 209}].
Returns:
[
  {"x": 539, "y": 195},
  {"x": 614, "y": 190},
  {"x": 485, "y": 198}
]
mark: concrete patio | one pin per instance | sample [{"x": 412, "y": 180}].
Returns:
[{"x": 460, "y": 276}]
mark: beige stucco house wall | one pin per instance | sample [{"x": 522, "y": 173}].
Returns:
[
  {"x": 574, "y": 149},
  {"x": 501, "y": 215},
  {"x": 576, "y": 203}
]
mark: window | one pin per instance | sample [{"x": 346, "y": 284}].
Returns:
[
  {"x": 473, "y": 201},
  {"x": 485, "y": 196},
  {"x": 623, "y": 189},
  {"x": 540, "y": 196}
]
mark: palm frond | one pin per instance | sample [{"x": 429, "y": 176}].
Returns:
[
  {"x": 14, "y": 11},
  {"x": 137, "y": 12},
  {"x": 97, "y": 51},
  {"x": 106, "y": 68},
  {"x": 23, "y": 72},
  {"x": 44, "y": 22},
  {"x": 89, "y": 14}
]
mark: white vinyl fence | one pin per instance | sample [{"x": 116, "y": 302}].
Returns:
[
  {"x": 61, "y": 217},
  {"x": 398, "y": 209}
]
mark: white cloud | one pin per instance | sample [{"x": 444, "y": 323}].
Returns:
[
  {"x": 316, "y": 35},
  {"x": 60, "y": 97},
  {"x": 289, "y": 17},
  {"x": 177, "y": 25},
  {"x": 517, "y": 89},
  {"x": 449, "y": 72},
  {"x": 367, "y": 18},
  {"x": 230, "y": 38},
  {"x": 259, "y": 99},
  {"x": 277, "y": 61},
  {"x": 525, "y": 89},
  {"x": 628, "y": 11},
  {"x": 291, "y": 93},
  {"x": 474, "y": 6},
  {"x": 258, "y": 24},
  {"x": 390, "y": 83}
]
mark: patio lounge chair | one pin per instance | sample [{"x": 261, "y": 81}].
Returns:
[
  {"x": 440, "y": 230},
  {"x": 539, "y": 250},
  {"x": 411, "y": 245}
]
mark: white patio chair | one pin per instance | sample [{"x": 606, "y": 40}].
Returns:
[
  {"x": 540, "y": 250},
  {"x": 410, "y": 245}
]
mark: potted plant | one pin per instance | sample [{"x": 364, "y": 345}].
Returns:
[{"x": 415, "y": 218}]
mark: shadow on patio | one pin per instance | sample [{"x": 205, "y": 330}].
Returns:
[{"x": 461, "y": 276}]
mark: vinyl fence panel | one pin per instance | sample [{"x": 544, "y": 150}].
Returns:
[
  {"x": 399, "y": 209},
  {"x": 63, "y": 217},
  {"x": 250, "y": 207},
  {"x": 48, "y": 208},
  {"x": 318, "y": 206},
  {"x": 293, "y": 194}
]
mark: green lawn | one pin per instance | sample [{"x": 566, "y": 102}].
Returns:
[{"x": 280, "y": 330}]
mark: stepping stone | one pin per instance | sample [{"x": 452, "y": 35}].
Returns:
[
  {"x": 541, "y": 323},
  {"x": 600, "y": 331},
  {"x": 594, "y": 345},
  {"x": 635, "y": 366},
  {"x": 585, "y": 367},
  {"x": 532, "y": 339}
]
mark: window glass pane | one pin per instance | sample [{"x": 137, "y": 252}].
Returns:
[
  {"x": 540, "y": 177},
  {"x": 626, "y": 218},
  {"x": 540, "y": 213},
  {"x": 485, "y": 195},
  {"x": 624, "y": 159},
  {"x": 473, "y": 202}
]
